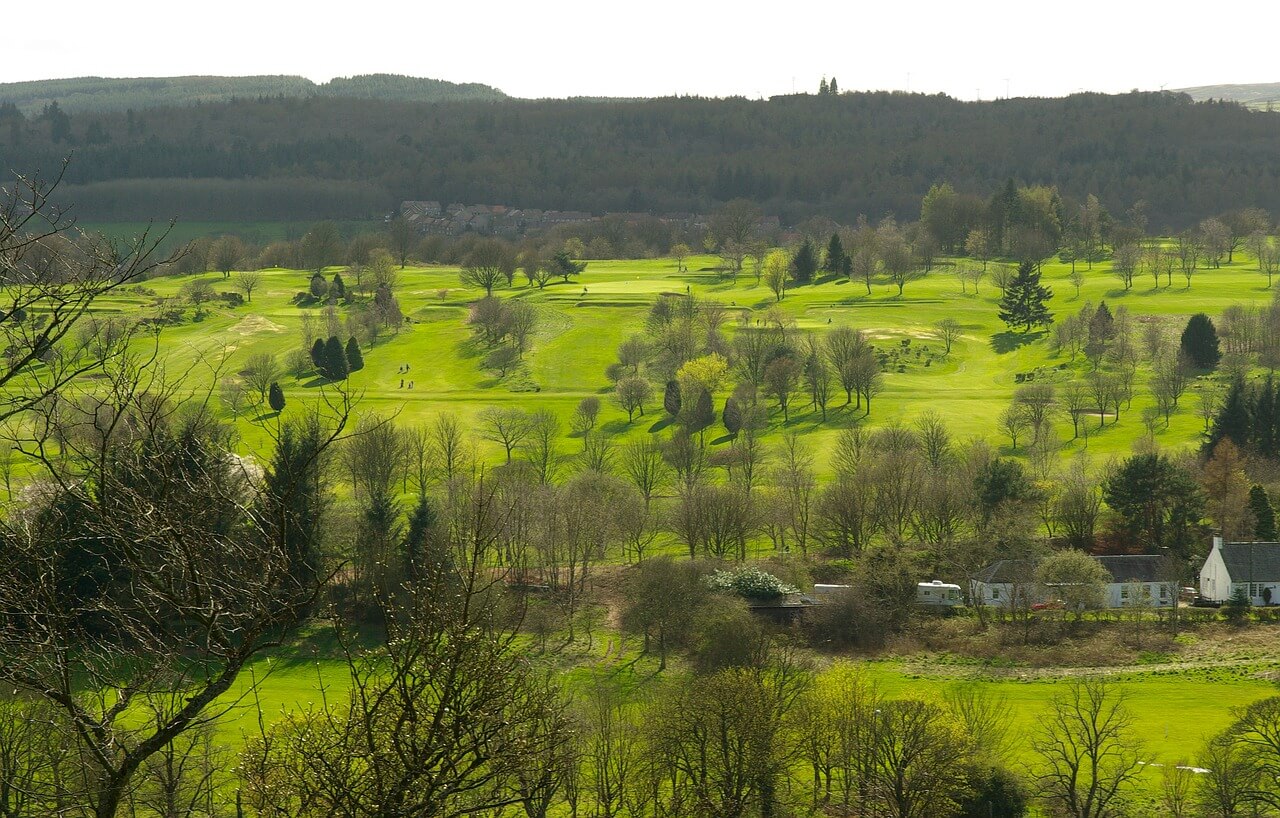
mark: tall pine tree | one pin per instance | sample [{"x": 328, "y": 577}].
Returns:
[
  {"x": 1264, "y": 418},
  {"x": 1233, "y": 418},
  {"x": 1200, "y": 342},
  {"x": 336, "y": 367},
  {"x": 355, "y": 361},
  {"x": 1023, "y": 304},
  {"x": 702, "y": 413},
  {"x": 732, "y": 416},
  {"x": 671, "y": 398},
  {"x": 275, "y": 397},
  {"x": 422, "y": 554},
  {"x": 805, "y": 263},
  {"x": 834, "y": 262},
  {"x": 1264, "y": 516}
]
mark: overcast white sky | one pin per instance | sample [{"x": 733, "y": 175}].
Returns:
[{"x": 658, "y": 47}]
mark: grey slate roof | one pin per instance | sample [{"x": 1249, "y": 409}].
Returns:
[
  {"x": 1124, "y": 568},
  {"x": 1006, "y": 571},
  {"x": 1136, "y": 568},
  {"x": 1252, "y": 561}
]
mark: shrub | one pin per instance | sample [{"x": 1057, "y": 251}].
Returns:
[
  {"x": 297, "y": 362},
  {"x": 833, "y": 572},
  {"x": 994, "y": 793},
  {"x": 750, "y": 582},
  {"x": 1236, "y": 609},
  {"x": 727, "y": 635}
]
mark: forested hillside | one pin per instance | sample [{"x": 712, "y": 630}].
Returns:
[
  {"x": 1257, "y": 94},
  {"x": 119, "y": 94},
  {"x": 802, "y": 155}
]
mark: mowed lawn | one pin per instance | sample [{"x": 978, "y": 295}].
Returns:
[
  {"x": 583, "y": 322},
  {"x": 1173, "y": 713}
]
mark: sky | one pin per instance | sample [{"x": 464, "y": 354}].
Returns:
[{"x": 557, "y": 48}]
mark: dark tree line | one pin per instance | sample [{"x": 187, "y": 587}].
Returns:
[{"x": 798, "y": 156}]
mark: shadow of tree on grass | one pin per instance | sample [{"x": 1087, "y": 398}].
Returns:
[{"x": 1008, "y": 341}]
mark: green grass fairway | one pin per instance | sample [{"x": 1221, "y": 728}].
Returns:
[
  {"x": 1173, "y": 712},
  {"x": 583, "y": 323}
]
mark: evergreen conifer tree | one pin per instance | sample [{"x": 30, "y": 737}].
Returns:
[
  {"x": 355, "y": 361},
  {"x": 335, "y": 360},
  {"x": 1264, "y": 516},
  {"x": 732, "y": 416},
  {"x": 702, "y": 414},
  {"x": 295, "y": 497},
  {"x": 275, "y": 397},
  {"x": 1102, "y": 325},
  {"x": 834, "y": 262},
  {"x": 1263, "y": 416},
  {"x": 1233, "y": 418},
  {"x": 805, "y": 263},
  {"x": 339, "y": 288},
  {"x": 1200, "y": 342},
  {"x": 317, "y": 355},
  {"x": 421, "y": 552},
  {"x": 671, "y": 398},
  {"x": 1023, "y": 304}
]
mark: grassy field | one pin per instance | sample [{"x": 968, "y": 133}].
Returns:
[
  {"x": 582, "y": 324},
  {"x": 1174, "y": 712}
]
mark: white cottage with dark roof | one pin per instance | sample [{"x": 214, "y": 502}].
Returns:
[
  {"x": 1252, "y": 566},
  {"x": 1140, "y": 579},
  {"x": 1135, "y": 580}
]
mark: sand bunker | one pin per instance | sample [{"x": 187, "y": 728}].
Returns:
[{"x": 252, "y": 324}]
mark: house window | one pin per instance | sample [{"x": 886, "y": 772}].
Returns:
[
  {"x": 1124, "y": 591},
  {"x": 995, "y": 593},
  {"x": 1164, "y": 592},
  {"x": 1255, "y": 589}
]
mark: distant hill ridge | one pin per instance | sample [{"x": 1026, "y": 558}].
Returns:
[
  {"x": 84, "y": 94},
  {"x": 1256, "y": 94}
]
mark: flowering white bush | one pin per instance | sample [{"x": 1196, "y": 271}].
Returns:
[{"x": 750, "y": 582}]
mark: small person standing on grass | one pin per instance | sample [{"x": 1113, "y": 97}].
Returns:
[{"x": 402, "y": 383}]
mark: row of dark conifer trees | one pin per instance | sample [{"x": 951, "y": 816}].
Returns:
[{"x": 334, "y": 361}]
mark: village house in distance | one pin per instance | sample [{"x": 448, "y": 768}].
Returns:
[
  {"x": 1134, "y": 579},
  {"x": 1253, "y": 567}
]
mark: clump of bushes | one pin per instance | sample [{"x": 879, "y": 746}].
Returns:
[{"x": 750, "y": 582}]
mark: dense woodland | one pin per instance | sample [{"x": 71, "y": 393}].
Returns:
[
  {"x": 838, "y": 155},
  {"x": 113, "y": 94}
]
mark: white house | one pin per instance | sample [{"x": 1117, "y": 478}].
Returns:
[
  {"x": 1252, "y": 566},
  {"x": 1002, "y": 581},
  {"x": 1137, "y": 579},
  {"x": 1140, "y": 579}
]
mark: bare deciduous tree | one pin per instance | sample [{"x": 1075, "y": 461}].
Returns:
[
  {"x": 55, "y": 276},
  {"x": 1087, "y": 744},
  {"x": 505, "y": 426},
  {"x": 445, "y": 718},
  {"x": 247, "y": 281},
  {"x": 197, "y": 568}
]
